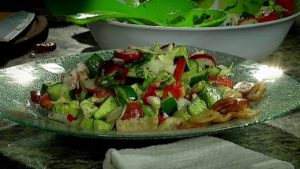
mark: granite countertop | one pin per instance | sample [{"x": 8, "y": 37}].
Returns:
[{"x": 24, "y": 147}]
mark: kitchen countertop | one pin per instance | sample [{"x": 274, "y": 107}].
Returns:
[{"x": 24, "y": 147}]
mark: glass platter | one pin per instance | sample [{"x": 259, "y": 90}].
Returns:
[{"x": 281, "y": 97}]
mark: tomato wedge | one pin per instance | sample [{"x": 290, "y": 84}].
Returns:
[
  {"x": 176, "y": 89},
  {"x": 180, "y": 66},
  {"x": 218, "y": 80},
  {"x": 133, "y": 111},
  {"x": 128, "y": 55}
]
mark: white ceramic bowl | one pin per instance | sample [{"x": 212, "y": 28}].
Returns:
[{"x": 255, "y": 41}]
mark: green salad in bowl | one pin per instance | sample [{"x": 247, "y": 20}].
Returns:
[
  {"x": 176, "y": 13},
  {"x": 148, "y": 89}
]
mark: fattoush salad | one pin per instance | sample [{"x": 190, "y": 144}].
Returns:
[{"x": 148, "y": 89}]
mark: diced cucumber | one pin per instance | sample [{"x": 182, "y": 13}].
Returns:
[
  {"x": 197, "y": 77},
  {"x": 92, "y": 64},
  {"x": 109, "y": 105},
  {"x": 86, "y": 123},
  {"x": 137, "y": 72},
  {"x": 148, "y": 111},
  {"x": 198, "y": 87},
  {"x": 114, "y": 115},
  {"x": 67, "y": 108},
  {"x": 169, "y": 105},
  {"x": 213, "y": 71},
  {"x": 210, "y": 95},
  {"x": 193, "y": 65},
  {"x": 197, "y": 106},
  {"x": 100, "y": 125},
  {"x": 125, "y": 94},
  {"x": 182, "y": 103},
  {"x": 88, "y": 108},
  {"x": 150, "y": 78},
  {"x": 183, "y": 115},
  {"x": 193, "y": 77},
  {"x": 59, "y": 90},
  {"x": 137, "y": 89}
]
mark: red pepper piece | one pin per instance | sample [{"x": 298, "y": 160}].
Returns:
[
  {"x": 176, "y": 89},
  {"x": 217, "y": 80},
  {"x": 180, "y": 66},
  {"x": 133, "y": 111}
]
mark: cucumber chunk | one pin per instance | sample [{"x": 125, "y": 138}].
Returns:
[
  {"x": 197, "y": 106},
  {"x": 100, "y": 125},
  {"x": 125, "y": 94},
  {"x": 87, "y": 123},
  {"x": 210, "y": 95},
  {"x": 59, "y": 90},
  {"x": 109, "y": 105}
]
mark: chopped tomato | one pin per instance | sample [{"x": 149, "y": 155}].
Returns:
[
  {"x": 176, "y": 89},
  {"x": 218, "y": 80},
  {"x": 151, "y": 91},
  {"x": 45, "y": 101},
  {"x": 180, "y": 66},
  {"x": 133, "y": 111},
  {"x": 128, "y": 55},
  {"x": 272, "y": 16}
]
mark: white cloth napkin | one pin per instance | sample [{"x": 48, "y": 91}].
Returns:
[{"x": 196, "y": 153}]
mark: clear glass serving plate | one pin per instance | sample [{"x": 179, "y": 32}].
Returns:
[{"x": 282, "y": 96}]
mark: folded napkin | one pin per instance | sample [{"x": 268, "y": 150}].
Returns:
[{"x": 196, "y": 153}]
